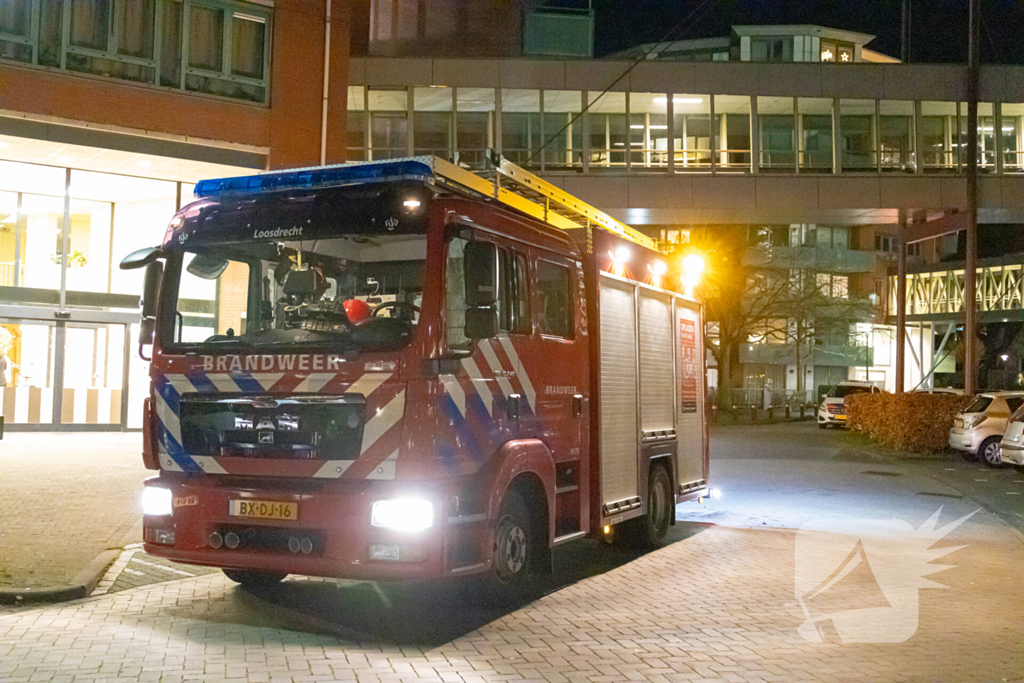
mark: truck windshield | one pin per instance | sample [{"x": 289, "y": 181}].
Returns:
[{"x": 360, "y": 290}]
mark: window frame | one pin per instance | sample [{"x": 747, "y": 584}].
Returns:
[
  {"x": 231, "y": 10},
  {"x": 570, "y": 303}
]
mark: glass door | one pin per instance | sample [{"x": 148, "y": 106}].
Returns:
[
  {"x": 93, "y": 392},
  {"x": 28, "y": 350}
]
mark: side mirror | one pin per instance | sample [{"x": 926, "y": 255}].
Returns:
[
  {"x": 150, "y": 296},
  {"x": 480, "y": 270},
  {"x": 141, "y": 258},
  {"x": 481, "y": 323}
]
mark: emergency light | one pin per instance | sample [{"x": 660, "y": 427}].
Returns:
[{"x": 415, "y": 168}]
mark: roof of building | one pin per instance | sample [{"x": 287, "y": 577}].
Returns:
[{"x": 803, "y": 30}]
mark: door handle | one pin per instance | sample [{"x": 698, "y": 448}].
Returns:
[
  {"x": 513, "y": 406},
  {"x": 577, "y": 405}
]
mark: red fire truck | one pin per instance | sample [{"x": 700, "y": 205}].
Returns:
[{"x": 403, "y": 370}]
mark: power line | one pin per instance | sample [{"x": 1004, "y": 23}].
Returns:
[{"x": 700, "y": 9}]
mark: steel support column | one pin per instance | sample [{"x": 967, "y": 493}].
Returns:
[
  {"x": 901, "y": 303},
  {"x": 971, "y": 256}
]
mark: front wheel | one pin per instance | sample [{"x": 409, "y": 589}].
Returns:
[
  {"x": 988, "y": 452},
  {"x": 254, "y": 579},
  {"x": 513, "y": 548}
]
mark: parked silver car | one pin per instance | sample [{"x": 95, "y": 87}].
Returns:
[
  {"x": 1011, "y": 450},
  {"x": 979, "y": 429}
]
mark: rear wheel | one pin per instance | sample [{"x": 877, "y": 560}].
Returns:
[
  {"x": 251, "y": 578},
  {"x": 988, "y": 452},
  {"x": 649, "y": 531}
]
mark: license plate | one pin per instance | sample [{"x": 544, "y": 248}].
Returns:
[
  {"x": 263, "y": 509},
  {"x": 840, "y": 417}
]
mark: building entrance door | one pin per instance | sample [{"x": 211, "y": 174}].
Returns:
[{"x": 71, "y": 373}]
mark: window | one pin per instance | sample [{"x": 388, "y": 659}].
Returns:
[
  {"x": 513, "y": 298},
  {"x": 857, "y": 134},
  {"x": 896, "y": 136},
  {"x": 520, "y": 127},
  {"x": 474, "y": 126},
  {"x": 607, "y": 121},
  {"x": 388, "y": 123},
  {"x": 914, "y": 249},
  {"x": 563, "y": 136},
  {"x": 833, "y": 286},
  {"x": 432, "y": 122},
  {"x": 1014, "y": 402},
  {"x": 776, "y": 121},
  {"x": 648, "y": 130},
  {"x": 836, "y": 52},
  {"x": 228, "y": 45},
  {"x": 885, "y": 243},
  {"x": 455, "y": 293},
  {"x": 691, "y": 132},
  {"x": 778, "y": 49},
  {"x": 355, "y": 138},
  {"x": 555, "y": 300}
]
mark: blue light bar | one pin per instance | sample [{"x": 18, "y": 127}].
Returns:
[{"x": 320, "y": 176}]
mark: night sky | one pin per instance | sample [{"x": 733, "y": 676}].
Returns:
[{"x": 939, "y": 26}]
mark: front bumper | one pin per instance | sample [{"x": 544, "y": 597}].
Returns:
[
  {"x": 336, "y": 521},
  {"x": 825, "y": 417},
  {"x": 1012, "y": 454}
]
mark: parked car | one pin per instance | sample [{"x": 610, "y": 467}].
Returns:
[
  {"x": 979, "y": 429},
  {"x": 832, "y": 408},
  {"x": 941, "y": 390},
  {"x": 1011, "y": 450}
]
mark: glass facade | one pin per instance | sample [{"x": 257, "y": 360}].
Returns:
[
  {"x": 208, "y": 46},
  {"x": 642, "y": 132},
  {"x": 63, "y": 233}
]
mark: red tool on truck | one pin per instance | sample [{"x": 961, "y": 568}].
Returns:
[{"x": 403, "y": 370}]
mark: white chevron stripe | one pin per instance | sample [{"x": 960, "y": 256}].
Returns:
[
  {"x": 524, "y": 378},
  {"x": 385, "y": 470},
  {"x": 167, "y": 416},
  {"x": 496, "y": 368},
  {"x": 483, "y": 389},
  {"x": 167, "y": 463},
  {"x": 209, "y": 464},
  {"x": 315, "y": 382},
  {"x": 223, "y": 382},
  {"x": 384, "y": 419},
  {"x": 332, "y": 469},
  {"x": 180, "y": 383},
  {"x": 454, "y": 389},
  {"x": 368, "y": 383}
]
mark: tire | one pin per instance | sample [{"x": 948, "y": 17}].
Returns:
[
  {"x": 649, "y": 531},
  {"x": 250, "y": 578},
  {"x": 514, "y": 549},
  {"x": 988, "y": 452}
]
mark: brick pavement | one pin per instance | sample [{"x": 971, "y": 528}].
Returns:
[
  {"x": 717, "y": 605},
  {"x": 66, "y": 498}
]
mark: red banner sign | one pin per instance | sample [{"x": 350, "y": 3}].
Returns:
[{"x": 688, "y": 365}]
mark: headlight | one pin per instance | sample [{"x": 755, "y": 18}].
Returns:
[
  {"x": 156, "y": 501},
  {"x": 403, "y": 514}
]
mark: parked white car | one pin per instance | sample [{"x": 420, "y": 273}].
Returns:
[
  {"x": 832, "y": 409},
  {"x": 979, "y": 429},
  {"x": 1011, "y": 450}
]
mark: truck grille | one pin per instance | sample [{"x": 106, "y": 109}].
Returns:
[{"x": 299, "y": 427}]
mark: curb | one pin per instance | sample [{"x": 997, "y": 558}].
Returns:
[{"x": 80, "y": 587}]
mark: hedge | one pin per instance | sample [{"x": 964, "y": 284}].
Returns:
[{"x": 905, "y": 422}]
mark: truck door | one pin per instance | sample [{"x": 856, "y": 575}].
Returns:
[
  {"x": 551, "y": 362},
  {"x": 480, "y": 399}
]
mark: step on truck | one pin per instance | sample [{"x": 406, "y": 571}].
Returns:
[{"x": 403, "y": 370}]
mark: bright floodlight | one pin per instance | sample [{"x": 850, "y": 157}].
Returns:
[
  {"x": 156, "y": 501},
  {"x": 403, "y": 514},
  {"x": 659, "y": 268},
  {"x": 693, "y": 269},
  {"x": 621, "y": 254}
]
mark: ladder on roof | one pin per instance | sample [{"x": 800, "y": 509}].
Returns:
[{"x": 516, "y": 187}]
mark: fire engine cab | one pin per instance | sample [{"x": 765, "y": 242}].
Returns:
[{"x": 403, "y": 370}]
